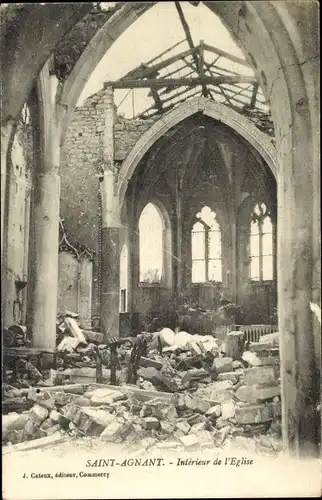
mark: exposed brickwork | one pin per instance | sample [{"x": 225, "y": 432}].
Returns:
[
  {"x": 126, "y": 134},
  {"x": 83, "y": 158}
]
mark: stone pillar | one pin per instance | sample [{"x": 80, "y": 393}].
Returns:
[
  {"x": 7, "y": 134},
  {"x": 43, "y": 279},
  {"x": 44, "y": 218},
  {"x": 178, "y": 287},
  {"x": 110, "y": 264}
]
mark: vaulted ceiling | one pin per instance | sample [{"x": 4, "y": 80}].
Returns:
[{"x": 201, "y": 155}]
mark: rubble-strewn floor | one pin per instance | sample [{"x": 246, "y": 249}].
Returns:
[{"x": 192, "y": 396}]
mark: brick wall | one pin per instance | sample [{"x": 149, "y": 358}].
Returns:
[{"x": 83, "y": 158}]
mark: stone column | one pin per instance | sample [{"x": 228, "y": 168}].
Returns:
[
  {"x": 7, "y": 134},
  {"x": 110, "y": 264},
  {"x": 44, "y": 219},
  {"x": 111, "y": 227},
  {"x": 43, "y": 280}
]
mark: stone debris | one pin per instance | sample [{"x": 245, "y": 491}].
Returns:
[{"x": 192, "y": 395}]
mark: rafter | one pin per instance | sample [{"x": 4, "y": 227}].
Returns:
[
  {"x": 178, "y": 82},
  {"x": 197, "y": 56}
]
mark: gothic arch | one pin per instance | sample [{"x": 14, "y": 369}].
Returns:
[{"x": 217, "y": 111}]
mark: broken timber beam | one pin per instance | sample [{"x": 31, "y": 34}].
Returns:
[{"x": 178, "y": 82}]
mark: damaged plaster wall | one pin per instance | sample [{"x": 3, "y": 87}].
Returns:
[
  {"x": 75, "y": 278},
  {"x": 20, "y": 163}
]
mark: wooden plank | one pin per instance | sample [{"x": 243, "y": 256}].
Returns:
[
  {"x": 145, "y": 71},
  {"x": 187, "y": 33},
  {"x": 253, "y": 100},
  {"x": 222, "y": 53},
  {"x": 157, "y": 100},
  {"x": 166, "y": 51},
  {"x": 178, "y": 82}
]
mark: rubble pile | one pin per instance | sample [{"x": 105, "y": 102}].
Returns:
[{"x": 191, "y": 396}]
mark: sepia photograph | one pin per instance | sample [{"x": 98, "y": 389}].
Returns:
[{"x": 160, "y": 249}]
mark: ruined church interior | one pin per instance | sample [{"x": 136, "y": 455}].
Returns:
[{"x": 160, "y": 225}]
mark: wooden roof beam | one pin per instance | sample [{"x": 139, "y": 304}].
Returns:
[
  {"x": 145, "y": 71},
  {"x": 178, "y": 82},
  {"x": 222, "y": 53},
  {"x": 197, "y": 60}
]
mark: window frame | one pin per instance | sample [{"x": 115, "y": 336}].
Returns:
[
  {"x": 206, "y": 259},
  {"x": 165, "y": 280},
  {"x": 259, "y": 219}
]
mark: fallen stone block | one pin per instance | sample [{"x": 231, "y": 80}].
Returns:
[
  {"x": 147, "y": 362},
  {"x": 146, "y": 411},
  {"x": 95, "y": 337},
  {"x": 214, "y": 412},
  {"x": 16, "y": 405},
  {"x": 53, "y": 429},
  {"x": 13, "y": 421},
  {"x": 197, "y": 404},
  {"x": 55, "y": 416},
  {"x": 260, "y": 346},
  {"x": 86, "y": 375},
  {"x": 38, "y": 414},
  {"x": 260, "y": 375},
  {"x": 221, "y": 365},
  {"x": 62, "y": 398},
  {"x": 228, "y": 410},
  {"x": 257, "y": 413},
  {"x": 189, "y": 441},
  {"x": 82, "y": 401},
  {"x": 70, "y": 411},
  {"x": 164, "y": 380},
  {"x": 112, "y": 431},
  {"x": 201, "y": 426},
  {"x": 142, "y": 395},
  {"x": 151, "y": 423},
  {"x": 231, "y": 376},
  {"x": 42, "y": 398},
  {"x": 68, "y": 344},
  {"x": 196, "y": 418},
  {"x": 205, "y": 439},
  {"x": 235, "y": 345},
  {"x": 179, "y": 401},
  {"x": 221, "y": 423},
  {"x": 36, "y": 443},
  {"x": 183, "y": 426},
  {"x": 147, "y": 373},
  {"x": 264, "y": 393},
  {"x": 13, "y": 436},
  {"x": 92, "y": 422},
  {"x": 33, "y": 430},
  {"x": 253, "y": 359},
  {"x": 254, "y": 393},
  {"x": 219, "y": 436},
  {"x": 217, "y": 392},
  {"x": 192, "y": 375},
  {"x": 74, "y": 329},
  {"x": 166, "y": 427},
  {"x": 135, "y": 408},
  {"x": 178, "y": 434}
]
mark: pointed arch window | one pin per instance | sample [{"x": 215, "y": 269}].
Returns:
[
  {"x": 206, "y": 248},
  {"x": 261, "y": 244},
  {"x": 151, "y": 235}
]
